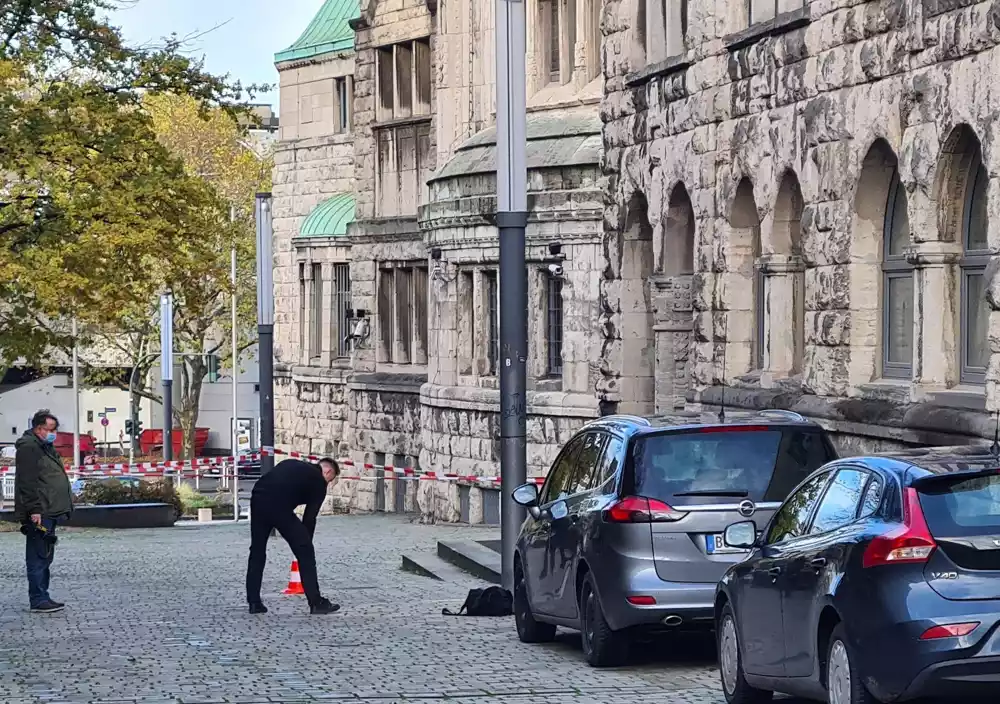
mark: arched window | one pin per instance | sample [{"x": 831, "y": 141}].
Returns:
[
  {"x": 975, "y": 313},
  {"x": 897, "y": 287}
]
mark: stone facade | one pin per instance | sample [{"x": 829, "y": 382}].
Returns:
[{"x": 813, "y": 187}]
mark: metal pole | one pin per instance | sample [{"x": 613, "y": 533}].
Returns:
[
  {"x": 512, "y": 218},
  {"x": 167, "y": 371},
  {"x": 265, "y": 328},
  {"x": 236, "y": 382},
  {"x": 76, "y": 399}
]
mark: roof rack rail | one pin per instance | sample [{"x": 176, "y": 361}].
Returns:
[
  {"x": 623, "y": 416},
  {"x": 782, "y": 413}
]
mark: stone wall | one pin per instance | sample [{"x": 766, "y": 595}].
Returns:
[{"x": 761, "y": 159}]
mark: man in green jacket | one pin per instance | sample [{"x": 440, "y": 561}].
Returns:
[{"x": 42, "y": 498}]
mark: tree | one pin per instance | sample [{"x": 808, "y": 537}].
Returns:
[
  {"x": 90, "y": 199},
  {"x": 214, "y": 149}
]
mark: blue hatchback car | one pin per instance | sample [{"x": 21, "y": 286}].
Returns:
[{"x": 878, "y": 579}]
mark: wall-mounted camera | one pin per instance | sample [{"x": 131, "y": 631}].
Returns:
[{"x": 555, "y": 269}]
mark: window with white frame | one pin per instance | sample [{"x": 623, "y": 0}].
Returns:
[
  {"x": 764, "y": 10},
  {"x": 975, "y": 311},
  {"x": 553, "y": 325},
  {"x": 403, "y": 145},
  {"x": 343, "y": 92},
  {"x": 665, "y": 28},
  {"x": 897, "y": 287},
  {"x": 316, "y": 312},
  {"x": 341, "y": 318},
  {"x": 402, "y": 314}
]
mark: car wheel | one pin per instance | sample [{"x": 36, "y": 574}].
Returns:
[
  {"x": 601, "y": 646},
  {"x": 843, "y": 680},
  {"x": 528, "y": 629},
  {"x": 734, "y": 684}
]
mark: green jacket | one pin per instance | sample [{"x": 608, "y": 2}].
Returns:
[{"x": 40, "y": 481}]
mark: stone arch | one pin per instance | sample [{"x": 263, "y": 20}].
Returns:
[
  {"x": 880, "y": 340},
  {"x": 781, "y": 306},
  {"x": 672, "y": 298},
  {"x": 678, "y": 234},
  {"x": 638, "y": 353},
  {"x": 742, "y": 288},
  {"x": 955, "y": 270}
]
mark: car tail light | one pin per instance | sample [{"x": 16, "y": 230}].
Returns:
[
  {"x": 639, "y": 509},
  {"x": 951, "y": 630},
  {"x": 911, "y": 542},
  {"x": 641, "y": 600}
]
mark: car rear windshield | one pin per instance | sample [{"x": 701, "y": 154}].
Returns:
[
  {"x": 959, "y": 508},
  {"x": 714, "y": 466}
]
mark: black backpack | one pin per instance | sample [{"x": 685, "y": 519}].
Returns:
[{"x": 492, "y": 601}]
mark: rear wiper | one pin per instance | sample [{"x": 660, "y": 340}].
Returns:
[{"x": 736, "y": 493}]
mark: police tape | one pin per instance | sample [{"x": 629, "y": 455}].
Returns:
[{"x": 188, "y": 469}]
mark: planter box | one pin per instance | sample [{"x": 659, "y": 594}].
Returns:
[{"x": 156, "y": 515}]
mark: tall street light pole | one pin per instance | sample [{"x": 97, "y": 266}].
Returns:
[
  {"x": 265, "y": 327},
  {"x": 512, "y": 218},
  {"x": 236, "y": 377},
  {"x": 76, "y": 398},
  {"x": 167, "y": 371}
]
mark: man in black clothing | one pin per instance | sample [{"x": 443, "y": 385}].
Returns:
[{"x": 275, "y": 497}]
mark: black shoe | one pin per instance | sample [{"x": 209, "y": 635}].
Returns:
[
  {"x": 258, "y": 608},
  {"x": 58, "y": 603},
  {"x": 324, "y": 606},
  {"x": 47, "y": 607}
]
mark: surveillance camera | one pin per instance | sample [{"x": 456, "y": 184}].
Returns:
[
  {"x": 436, "y": 271},
  {"x": 555, "y": 270}
]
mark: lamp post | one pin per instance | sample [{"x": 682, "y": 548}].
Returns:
[
  {"x": 236, "y": 378},
  {"x": 265, "y": 327},
  {"x": 167, "y": 371},
  {"x": 76, "y": 398},
  {"x": 512, "y": 218}
]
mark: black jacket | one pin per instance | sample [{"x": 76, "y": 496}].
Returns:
[
  {"x": 289, "y": 485},
  {"x": 40, "y": 481}
]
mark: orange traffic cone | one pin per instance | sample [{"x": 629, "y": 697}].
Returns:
[{"x": 294, "y": 580}]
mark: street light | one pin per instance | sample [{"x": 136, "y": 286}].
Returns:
[
  {"x": 167, "y": 371},
  {"x": 265, "y": 327},
  {"x": 512, "y": 218}
]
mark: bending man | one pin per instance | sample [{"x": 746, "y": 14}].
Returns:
[{"x": 275, "y": 497}]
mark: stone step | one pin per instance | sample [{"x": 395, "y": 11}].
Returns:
[
  {"x": 476, "y": 559},
  {"x": 428, "y": 564}
]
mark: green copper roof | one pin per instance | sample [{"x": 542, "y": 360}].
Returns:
[
  {"x": 330, "y": 218},
  {"x": 327, "y": 32}
]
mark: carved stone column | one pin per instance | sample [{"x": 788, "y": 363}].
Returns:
[
  {"x": 782, "y": 315},
  {"x": 935, "y": 313},
  {"x": 673, "y": 328}
]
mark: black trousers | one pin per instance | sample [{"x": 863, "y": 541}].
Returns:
[{"x": 263, "y": 518}]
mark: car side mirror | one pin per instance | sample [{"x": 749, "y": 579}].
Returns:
[
  {"x": 526, "y": 495},
  {"x": 741, "y": 535}
]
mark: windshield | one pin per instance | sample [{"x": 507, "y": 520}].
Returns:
[
  {"x": 962, "y": 508},
  {"x": 700, "y": 467}
]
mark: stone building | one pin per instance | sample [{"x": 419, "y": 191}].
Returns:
[
  {"x": 814, "y": 186},
  {"x": 409, "y": 270}
]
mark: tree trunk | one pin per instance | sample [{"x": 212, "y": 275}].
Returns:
[{"x": 193, "y": 376}]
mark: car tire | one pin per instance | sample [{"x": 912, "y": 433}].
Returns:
[
  {"x": 602, "y": 646},
  {"x": 844, "y": 684},
  {"x": 734, "y": 684},
  {"x": 528, "y": 629}
]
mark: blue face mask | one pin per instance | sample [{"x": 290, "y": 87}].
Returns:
[{"x": 50, "y": 438}]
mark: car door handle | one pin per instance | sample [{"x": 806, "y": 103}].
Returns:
[
  {"x": 818, "y": 562},
  {"x": 774, "y": 572}
]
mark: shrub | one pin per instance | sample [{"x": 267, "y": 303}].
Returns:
[{"x": 113, "y": 491}]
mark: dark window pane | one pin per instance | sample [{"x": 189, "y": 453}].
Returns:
[
  {"x": 561, "y": 473},
  {"x": 977, "y": 321},
  {"x": 791, "y": 519},
  {"x": 802, "y": 453},
  {"x": 898, "y": 227},
  {"x": 962, "y": 508},
  {"x": 977, "y": 218},
  {"x": 554, "y": 329},
  {"x": 873, "y": 498},
  {"x": 587, "y": 462},
  {"x": 840, "y": 503},
  {"x": 899, "y": 323},
  {"x": 608, "y": 468}
]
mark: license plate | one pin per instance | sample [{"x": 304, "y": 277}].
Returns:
[{"x": 715, "y": 544}]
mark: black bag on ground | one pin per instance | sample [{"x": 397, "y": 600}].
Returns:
[{"x": 492, "y": 601}]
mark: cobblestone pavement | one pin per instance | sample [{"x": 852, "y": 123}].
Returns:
[{"x": 158, "y": 616}]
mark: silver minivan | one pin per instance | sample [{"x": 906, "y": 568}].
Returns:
[{"x": 626, "y": 533}]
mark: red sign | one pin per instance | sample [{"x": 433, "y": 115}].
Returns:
[{"x": 105, "y": 422}]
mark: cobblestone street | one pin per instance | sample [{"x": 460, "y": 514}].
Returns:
[{"x": 158, "y": 616}]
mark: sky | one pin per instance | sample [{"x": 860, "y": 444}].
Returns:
[{"x": 246, "y": 33}]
